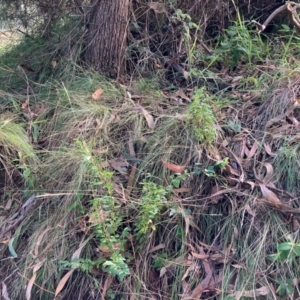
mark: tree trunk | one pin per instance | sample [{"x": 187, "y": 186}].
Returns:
[{"x": 106, "y": 41}]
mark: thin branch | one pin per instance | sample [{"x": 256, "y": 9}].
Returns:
[
  {"x": 262, "y": 27},
  {"x": 291, "y": 11}
]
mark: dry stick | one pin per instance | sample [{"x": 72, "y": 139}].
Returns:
[
  {"x": 263, "y": 26},
  {"x": 1, "y": 31},
  {"x": 206, "y": 48},
  {"x": 26, "y": 34},
  {"x": 291, "y": 13}
]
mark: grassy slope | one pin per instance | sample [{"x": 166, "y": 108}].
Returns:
[{"x": 110, "y": 211}]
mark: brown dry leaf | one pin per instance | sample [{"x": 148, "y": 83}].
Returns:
[
  {"x": 206, "y": 282},
  {"x": 186, "y": 75},
  {"x": 153, "y": 276},
  {"x": 96, "y": 95},
  {"x": 231, "y": 170},
  {"x": 77, "y": 253},
  {"x": 270, "y": 196},
  {"x": 99, "y": 217},
  {"x": 225, "y": 143},
  {"x": 66, "y": 277},
  {"x": 187, "y": 219},
  {"x": 63, "y": 281},
  {"x": 157, "y": 7},
  {"x": 32, "y": 279},
  {"x": 296, "y": 224},
  {"x": 182, "y": 95},
  {"x": 25, "y": 104},
  {"x": 26, "y": 68},
  {"x": 262, "y": 291},
  {"x": 193, "y": 224},
  {"x": 158, "y": 247},
  {"x": 194, "y": 269},
  {"x": 218, "y": 257},
  {"x": 102, "y": 164},
  {"x": 8, "y": 204},
  {"x": 200, "y": 256},
  {"x": 106, "y": 249},
  {"x": 182, "y": 190},
  {"x": 162, "y": 272},
  {"x": 158, "y": 66},
  {"x": 148, "y": 117},
  {"x": 173, "y": 167},
  {"x": 196, "y": 293},
  {"x": 270, "y": 172},
  {"x": 251, "y": 183},
  {"x": 245, "y": 150},
  {"x": 119, "y": 164},
  {"x": 237, "y": 266},
  {"x": 253, "y": 150}
]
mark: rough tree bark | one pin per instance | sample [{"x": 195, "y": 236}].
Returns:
[{"x": 106, "y": 40}]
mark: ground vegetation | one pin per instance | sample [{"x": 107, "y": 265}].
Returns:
[{"x": 174, "y": 175}]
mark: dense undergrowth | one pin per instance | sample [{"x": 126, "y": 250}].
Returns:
[{"x": 148, "y": 190}]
